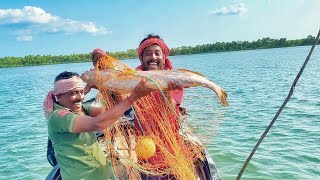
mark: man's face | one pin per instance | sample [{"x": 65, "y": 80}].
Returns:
[
  {"x": 72, "y": 99},
  {"x": 152, "y": 58}
]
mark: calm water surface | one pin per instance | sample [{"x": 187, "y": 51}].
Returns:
[{"x": 257, "y": 83}]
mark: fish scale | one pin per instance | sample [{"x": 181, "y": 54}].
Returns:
[{"x": 125, "y": 81}]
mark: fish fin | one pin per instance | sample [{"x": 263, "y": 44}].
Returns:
[
  {"x": 129, "y": 71},
  {"x": 186, "y": 70}
]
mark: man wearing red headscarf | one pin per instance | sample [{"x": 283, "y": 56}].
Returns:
[{"x": 153, "y": 54}]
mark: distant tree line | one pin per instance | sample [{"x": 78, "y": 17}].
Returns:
[{"x": 34, "y": 60}]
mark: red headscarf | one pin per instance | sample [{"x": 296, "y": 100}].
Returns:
[
  {"x": 163, "y": 46},
  {"x": 98, "y": 51}
]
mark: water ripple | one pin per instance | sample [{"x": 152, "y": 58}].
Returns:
[{"x": 257, "y": 83}]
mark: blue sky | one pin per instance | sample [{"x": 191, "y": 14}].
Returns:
[{"x": 60, "y": 27}]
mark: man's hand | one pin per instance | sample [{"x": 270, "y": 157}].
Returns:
[
  {"x": 141, "y": 90},
  {"x": 88, "y": 88}
]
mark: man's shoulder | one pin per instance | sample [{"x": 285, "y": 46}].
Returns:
[
  {"x": 59, "y": 113},
  {"x": 63, "y": 112},
  {"x": 139, "y": 68}
]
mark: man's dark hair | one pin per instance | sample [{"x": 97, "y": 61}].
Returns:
[
  {"x": 66, "y": 75},
  {"x": 151, "y": 36}
]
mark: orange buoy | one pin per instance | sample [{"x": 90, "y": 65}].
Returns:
[{"x": 145, "y": 148}]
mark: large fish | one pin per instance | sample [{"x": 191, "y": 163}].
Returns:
[{"x": 126, "y": 81}]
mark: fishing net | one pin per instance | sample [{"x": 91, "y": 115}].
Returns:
[{"x": 158, "y": 143}]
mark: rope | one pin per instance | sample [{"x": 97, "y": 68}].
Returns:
[
  {"x": 129, "y": 162},
  {"x": 165, "y": 98},
  {"x": 281, "y": 108},
  {"x": 114, "y": 175}
]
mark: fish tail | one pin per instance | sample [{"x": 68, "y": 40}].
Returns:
[{"x": 223, "y": 97}]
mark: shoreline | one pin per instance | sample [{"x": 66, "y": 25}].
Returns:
[{"x": 39, "y": 60}]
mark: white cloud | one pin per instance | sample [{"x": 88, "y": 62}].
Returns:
[
  {"x": 299, "y": 1},
  {"x": 230, "y": 10},
  {"x": 24, "y": 38},
  {"x": 34, "y": 20},
  {"x": 28, "y": 14},
  {"x": 23, "y": 35}
]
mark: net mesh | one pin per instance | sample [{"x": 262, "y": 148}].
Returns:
[{"x": 158, "y": 121}]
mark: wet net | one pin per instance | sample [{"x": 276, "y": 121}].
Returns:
[{"x": 152, "y": 139}]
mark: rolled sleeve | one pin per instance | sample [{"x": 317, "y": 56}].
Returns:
[{"x": 62, "y": 124}]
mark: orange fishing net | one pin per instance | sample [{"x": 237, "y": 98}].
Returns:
[{"x": 156, "y": 143}]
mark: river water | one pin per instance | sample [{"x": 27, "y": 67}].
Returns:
[{"x": 257, "y": 82}]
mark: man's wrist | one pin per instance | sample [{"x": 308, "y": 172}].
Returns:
[{"x": 130, "y": 100}]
